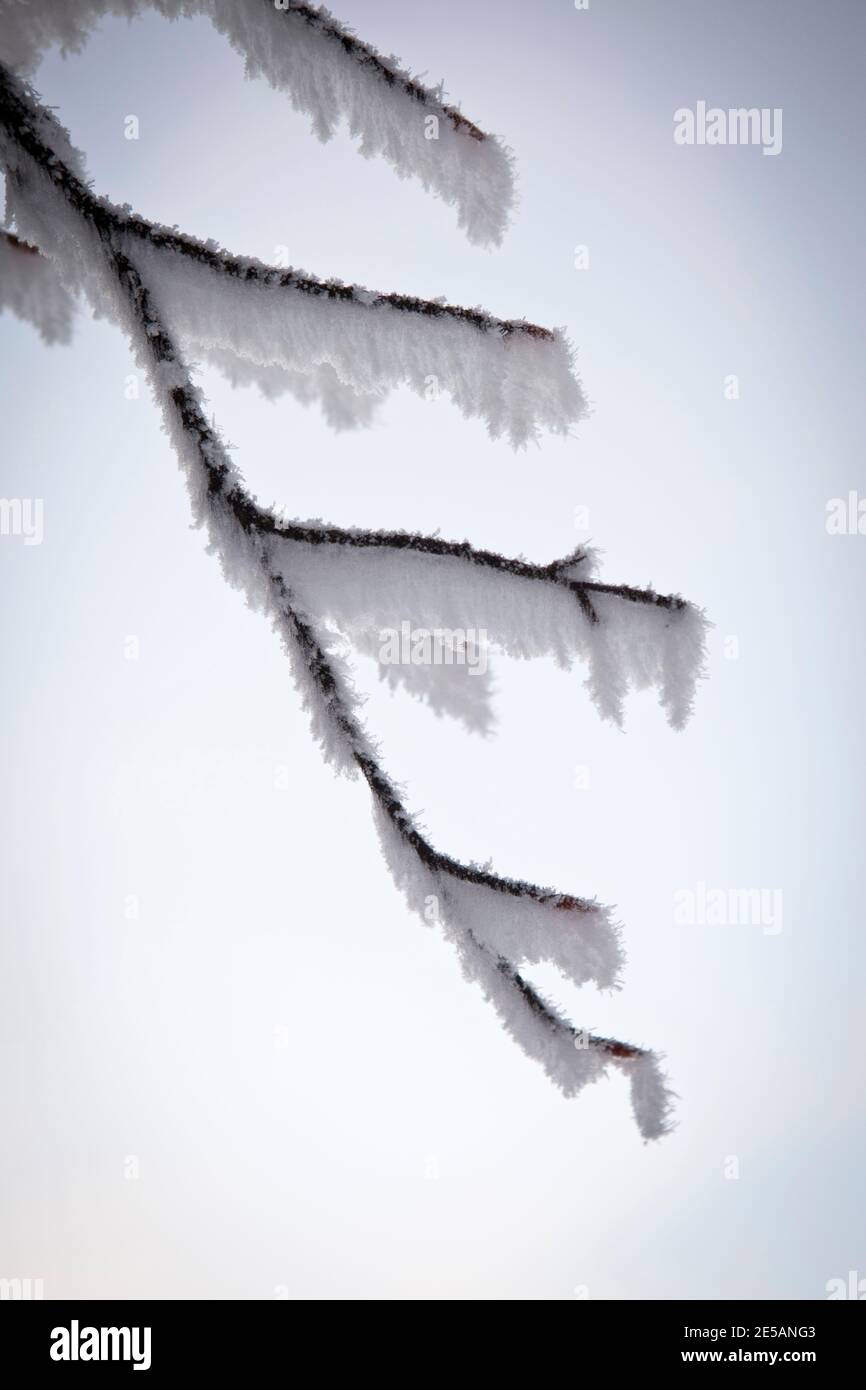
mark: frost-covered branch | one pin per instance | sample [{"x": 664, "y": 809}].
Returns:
[
  {"x": 165, "y": 289},
  {"x": 330, "y": 75},
  {"x": 287, "y": 329},
  {"x": 515, "y": 376},
  {"x": 369, "y": 581}
]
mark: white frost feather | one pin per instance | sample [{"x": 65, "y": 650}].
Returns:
[{"x": 31, "y": 288}]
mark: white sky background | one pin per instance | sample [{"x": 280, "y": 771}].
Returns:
[{"x": 399, "y": 1145}]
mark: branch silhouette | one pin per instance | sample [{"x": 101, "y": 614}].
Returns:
[{"x": 128, "y": 268}]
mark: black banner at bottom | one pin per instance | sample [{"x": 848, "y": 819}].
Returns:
[{"x": 161, "y": 1338}]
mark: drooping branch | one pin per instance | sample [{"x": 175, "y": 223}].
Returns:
[
  {"x": 328, "y": 74},
  {"x": 368, "y": 581},
  {"x": 491, "y": 920},
  {"x": 226, "y": 497}
]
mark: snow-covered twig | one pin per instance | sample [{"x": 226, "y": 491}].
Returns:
[
  {"x": 515, "y": 376},
  {"x": 369, "y": 581},
  {"x": 330, "y": 75}
]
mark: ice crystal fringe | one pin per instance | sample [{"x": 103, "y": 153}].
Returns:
[
  {"x": 32, "y": 289},
  {"x": 287, "y": 330}
]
